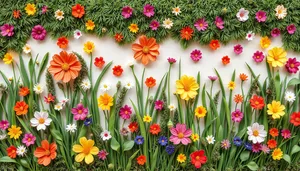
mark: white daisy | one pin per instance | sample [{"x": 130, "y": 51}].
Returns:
[
  {"x": 250, "y": 36},
  {"x": 105, "y": 87},
  {"x": 176, "y": 11},
  {"x": 172, "y": 107},
  {"x": 167, "y": 23},
  {"x": 256, "y": 133},
  {"x": 2, "y": 137},
  {"x": 59, "y": 15},
  {"x": 85, "y": 84},
  {"x": 210, "y": 139},
  {"x": 64, "y": 101},
  {"x": 289, "y": 96},
  {"x": 21, "y": 150},
  {"x": 77, "y": 34},
  {"x": 129, "y": 85},
  {"x": 27, "y": 49},
  {"x": 281, "y": 12},
  {"x": 71, "y": 128},
  {"x": 58, "y": 106},
  {"x": 41, "y": 120},
  {"x": 38, "y": 88},
  {"x": 242, "y": 15},
  {"x": 105, "y": 135}
]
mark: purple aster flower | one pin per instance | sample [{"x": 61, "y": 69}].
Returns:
[
  {"x": 256, "y": 147},
  {"x": 258, "y": 56},
  {"x": 80, "y": 112},
  {"x": 154, "y": 25},
  {"x": 38, "y": 32},
  {"x": 237, "y": 116},
  {"x": 124, "y": 131},
  {"x": 261, "y": 16},
  {"x": 219, "y": 22},
  {"x": 125, "y": 112},
  {"x": 201, "y": 24},
  {"x": 196, "y": 55},
  {"x": 291, "y": 29},
  {"x": 28, "y": 139},
  {"x": 163, "y": 141},
  {"x": 4, "y": 124},
  {"x": 102, "y": 154},
  {"x": 44, "y": 9},
  {"x": 286, "y": 134},
  {"x": 248, "y": 146},
  {"x": 88, "y": 121},
  {"x": 148, "y": 10},
  {"x": 213, "y": 78},
  {"x": 225, "y": 144},
  {"x": 127, "y": 11},
  {"x": 265, "y": 149},
  {"x": 171, "y": 60},
  {"x": 170, "y": 149},
  {"x": 237, "y": 141},
  {"x": 139, "y": 140},
  {"x": 238, "y": 49},
  {"x": 292, "y": 65},
  {"x": 159, "y": 105},
  {"x": 7, "y": 30},
  {"x": 275, "y": 32}
]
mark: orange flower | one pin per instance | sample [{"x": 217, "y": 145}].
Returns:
[
  {"x": 150, "y": 82},
  {"x": 272, "y": 143},
  {"x": 62, "y": 42},
  {"x": 24, "y": 91},
  {"x": 141, "y": 160},
  {"x": 21, "y": 108},
  {"x": 118, "y": 37},
  {"x": 274, "y": 132},
  {"x": 146, "y": 50},
  {"x": 214, "y": 44},
  {"x": 12, "y": 152},
  {"x": 225, "y": 60},
  {"x": 186, "y": 33},
  {"x": 238, "y": 98},
  {"x": 78, "y": 11},
  {"x": 133, "y": 127},
  {"x": 257, "y": 102},
  {"x": 45, "y": 153},
  {"x": 243, "y": 77},
  {"x": 117, "y": 70},
  {"x": 64, "y": 66},
  {"x": 99, "y": 62},
  {"x": 16, "y": 14},
  {"x": 154, "y": 129}
]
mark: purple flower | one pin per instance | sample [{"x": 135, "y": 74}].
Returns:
[
  {"x": 196, "y": 55},
  {"x": 258, "y": 56},
  {"x": 38, "y": 32},
  {"x": 102, "y": 154},
  {"x": 286, "y": 134},
  {"x": 148, "y": 10},
  {"x": 139, "y": 140},
  {"x": 248, "y": 146},
  {"x": 7, "y": 30},
  {"x": 88, "y": 121},
  {"x": 265, "y": 149},
  {"x": 127, "y": 11},
  {"x": 163, "y": 141},
  {"x": 261, "y": 16},
  {"x": 291, "y": 28},
  {"x": 292, "y": 65},
  {"x": 159, "y": 105},
  {"x": 238, "y": 49},
  {"x": 225, "y": 144},
  {"x": 256, "y": 147},
  {"x": 154, "y": 25},
  {"x": 219, "y": 22},
  {"x": 125, "y": 112},
  {"x": 80, "y": 112},
  {"x": 44, "y": 9},
  {"x": 4, "y": 124},
  {"x": 171, "y": 60},
  {"x": 213, "y": 78},
  {"x": 275, "y": 32},
  {"x": 28, "y": 139},
  {"x": 237, "y": 141},
  {"x": 237, "y": 116},
  {"x": 201, "y": 24},
  {"x": 170, "y": 149}
]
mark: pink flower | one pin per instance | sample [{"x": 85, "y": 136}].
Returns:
[
  {"x": 148, "y": 10},
  {"x": 196, "y": 55},
  {"x": 265, "y": 149},
  {"x": 28, "y": 139},
  {"x": 127, "y": 11},
  {"x": 256, "y": 147},
  {"x": 219, "y": 22},
  {"x": 102, "y": 154},
  {"x": 154, "y": 25},
  {"x": 171, "y": 60},
  {"x": 291, "y": 28},
  {"x": 201, "y": 24},
  {"x": 180, "y": 134},
  {"x": 286, "y": 133},
  {"x": 159, "y": 105},
  {"x": 258, "y": 56},
  {"x": 292, "y": 65},
  {"x": 4, "y": 124},
  {"x": 225, "y": 144},
  {"x": 38, "y": 32},
  {"x": 7, "y": 30},
  {"x": 80, "y": 112},
  {"x": 237, "y": 116},
  {"x": 125, "y": 112},
  {"x": 261, "y": 16},
  {"x": 44, "y": 9},
  {"x": 275, "y": 32},
  {"x": 238, "y": 49},
  {"x": 213, "y": 78}
]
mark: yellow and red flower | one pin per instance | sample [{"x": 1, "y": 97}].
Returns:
[{"x": 45, "y": 153}]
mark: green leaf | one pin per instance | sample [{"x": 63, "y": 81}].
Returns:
[
  {"x": 295, "y": 149},
  {"x": 128, "y": 145},
  {"x": 7, "y": 159},
  {"x": 293, "y": 81},
  {"x": 43, "y": 65},
  {"x": 287, "y": 158},
  {"x": 252, "y": 165},
  {"x": 128, "y": 166},
  {"x": 244, "y": 155},
  {"x": 115, "y": 144},
  {"x": 154, "y": 159},
  {"x": 24, "y": 163}
]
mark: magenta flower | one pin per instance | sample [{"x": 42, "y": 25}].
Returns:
[
  {"x": 286, "y": 133},
  {"x": 291, "y": 28},
  {"x": 213, "y": 78},
  {"x": 148, "y": 10},
  {"x": 261, "y": 16},
  {"x": 7, "y": 30},
  {"x": 159, "y": 105},
  {"x": 4, "y": 124},
  {"x": 275, "y": 32},
  {"x": 171, "y": 60},
  {"x": 28, "y": 139},
  {"x": 219, "y": 22},
  {"x": 125, "y": 112},
  {"x": 180, "y": 134},
  {"x": 127, "y": 11},
  {"x": 102, "y": 154},
  {"x": 238, "y": 49},
  {"x": 225, "y": 144},
  {"x": 237, "y": 115},
  {"x": 154, "y": 25},
  {"x": 44, "y": 9},
  {"x": 80, "y": 112},
  {"x": 258, "y": 56},
  {"x": 196, "y": 55},
  {"x": 265, "y": 149},
  {"x": 201, "y": 24},
  {"x": 38, "y": 32},
  {"x": 256, "y": 147},
  {"x": 292, "y": 65}
]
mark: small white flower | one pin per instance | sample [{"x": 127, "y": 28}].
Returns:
[
  {"x": 242, "y": 15},
  {"x": 71, "y": 128},
  {"x": 21, "y": 150},
  {"x": 2, "y": 137},
  {"x": 64, "y": 101},
  {"x": 59, "y": 15},
  {"x": 27, "y": 49},
  {"x": 281, "y": 12},
  {"x": 38, "y": 88},
  {"x": 58, "y": 106},
  {"x": 130, "y": 63},
  {"x": 289, "y": 96},
  {"x": 128, "y": 85},
  {"x": 250, "y": 36},
  {"x": 167, "y": 24},
  {"x": 41, "y": 120},
  {"x": 105, "y": 135},
  {"x": 105, "y": 87},
  {"x": 210, "y": 139},
  {"x": 85, "y": 84},
  {"x": 172, "y": 107},
  {"x": 176, "y": 11},
  {"x": 77, "y": 34},
  {"x": 256, "y": 133}
]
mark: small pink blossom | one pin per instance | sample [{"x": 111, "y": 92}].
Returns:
[
  {"x": 28, "y": 139},
  {"x": 275, "y": 32},
  {"x": 258, "y": 56},
  {"x": 102, "y": 154},
  {"x": 125, "y": 112},
  {"x": 201, "y": 24},
  {"x": 148, "y": 10},
  {"x": 291, "y": 29},
  {"x": 4, "y": 124},
  {"x": 261, "y": 16},
  {"x": 80, "y": 112},
  {"x": 196, "y": 55},
  {"x": 127, "y": 12},
  {"x": 286, "y": 134},
  {"x": 154, "y": 25},
  {"x": 159, "y": 104},
  {"x": 238, "y": 49},
  {"x": 171, "y": 60},
  {"x": 219, "y": 22}
]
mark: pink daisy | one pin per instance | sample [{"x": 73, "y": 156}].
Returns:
[
  {"x": 180, "y": 134},
  {"x": 80, "y": 112},
  {"x": 159, "y": 104},
  {"x": 4, "y": 124},
  {"x": 125, "y": 112},
  {"x": 256, "y": 147},
  {"x": 238, "y": 49},
  {"x": 292, "y": 65},
  {"x": 196, "y": 55},
  {"x": 275, "y": 32},
  {"x": 286, "y": 133},
  {"x": 258, "y": 56},
  {"x": 201, "y": 24},
  {"x": 237, "y": 116},
  {"x": 219, "y": 22},
  {"x": 291, "y": 29},
  {"x": 148, "y": 10},
  {"x": 154, "y": 25},
  {"x": 28, "y": 139},
  {"x": 261, "y": 16},
  {"x": 127, "y": 11},
  {"x": 102, "y": 154}
]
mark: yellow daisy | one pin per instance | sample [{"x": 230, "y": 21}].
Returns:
[
  {"x": 14, "y": 132},
  {"x": 276, "y": 109},
  {"x": 133, "y": 28},
  {"x": 90, "y": 25},
  {"x": 187, "y": 87},
  {"x": 181, "y": 158},
  {"x": 265, "y": 42},
  {"x": 195, "y": 137},
  {"x": 86, "y": 150},
  {"x": 277, "y": 154},
  {"x": 105, "y": 102},
  {"x": 231, "y": 85},
  {"x": 30, "y": 9},
  {"x": 8, "y": 58},
  {"x": 147, "y": 118},
  {"x": 277, "y": 57},
  {"x": 89, "y": 47},
  {"x": 200, "y": 112}
]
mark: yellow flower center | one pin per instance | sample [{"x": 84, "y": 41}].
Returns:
[
  {"x": 78, "y": 10},
  {"x": 255, "y": 133},
  {"x": 65, "y": 67},
  {"x": 197, "y": 158},
  {"x": 186, "y": 88},
  {"x": 29, "y": 139},
  {"x": 47, "y": 152},
  {"x": 86, "y": 150},
  {"x": 257, "y": 56},
  {"x": 201, "y": 25},
  {"x": 80, "y": 111},
  {"x": 7, "y": 30},
  {"x": 41, "y": 121},
  {"x": 146, "y": 49},
  {"x": 280, "y": 11},
  {"x": 276, "y": 58},
  {"x": 21, "y": 108},
  {"x": 180, "y": 135}
]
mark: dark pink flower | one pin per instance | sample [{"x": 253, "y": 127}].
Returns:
[
  {"x": 201, "y": 24},
  {"x": 219, "y": 22},
  {"x": 171, "y": 60},
  {"x": 196, "y": 55},
  {"x": 292, "y": 65},
  {"x": 237, "y": 116},
  {"x": 238, "y": 49},
  {"x": 154, "y": 25},
  {"x": 102, "y": 154},
  {"x": 80, "y": 112},
  {"x": 258, "y": 56},
  {"x": 291, "y": 28},
  {"x": 38, "y": 32},
  {"x": 148, "y": 10},
  {"x": 7, "y": 30},
  {"x": 256, "y": 147},
  {"x": 4, "y": 124},
  {"x": 159, "y": 105},
  {"x": 261, "y": 16},
  {"x": 125, "y": 112},
  {"x": 127, "y": 11},
  {"x": 286, "y": 133},
  {"x": 275, "y": 32},
  {"x": 28, "y": 139}
]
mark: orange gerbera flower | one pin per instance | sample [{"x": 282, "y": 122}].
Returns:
[
  {"x": 117, "y": 70},
  {"x": 45, "y": 153},
  {"x": 257, "y": 102},
  {"x": 154, "y": 129},
  {"x": 272, "y": 143},
  {"x": 141, "y": 160},
  {"x": 186, "y": 33},
  {"x": 64, "y": 66},
  {"x": 12, "y": 152},
  {"x": 225, "y": 60},
  {"x": 16, "y": 14},
  {"x": 274, "y": 132},
  {"x": 62, "y": 42},
  {"x": 243, "y": 77},
  {"x": 150, "y": 82},
  {"x": 214, "y": 44},
  {"x": 238, "y": 98},
  {"x": 21, "y": 108},
  {"x": 78, "y": 11},
  {"x": 24, "y": 91},
  {"x": 118, "y": 37},
  {"x": 133, "y": 127},
  {"x": 146, "y": 50}
]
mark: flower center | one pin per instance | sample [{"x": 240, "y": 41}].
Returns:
[
  {"x": 86, "y": 151},
  {"x": 41, "y": 121},
  {"x": 65, "y": 67},
  {"x": 146, "y": 49},
  {"x": 280, "y": 11},
  {"x": 255, "y": 133},
  {"x": 162, "y": 140},
  {"x": 242, "y": 14},
  {"x": 80, "y": 111},
  {"x": 47, "y": 152},
  {"x": 186, "y": 88},
  {"x": 78, "y": 10},
  {"x": 8, "y": 30},
  {"x": 180, "y": 135},
  {"x": 260, "y": 16},
  {"x": 257, "y": 57},
  {"x": 197, "y": 158},
  {"x": 297, "y": 119},
  {"x": 29, "y": 139},
  {"x": 21, "y": 108},
  {"x": 292, "y": 65}
]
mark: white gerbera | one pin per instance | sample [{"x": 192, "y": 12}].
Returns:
[
  {"x": 77, "y": 34},
  {"x": 27, "y": 49},
  {"x": 38, "y": 88},
  {"x": 71, "y": 128},
  {"x": 289, "y": 96},
  {"x": 59, "y": 14},
  {"x": 105, "y": 87},
  {"x": 41, "y": 120},
  {"x": 281, "y": 12},
  {"x": 176, "y": 11},
  {"x": 172, "y": 107},
  {"x": 85, "y": 84},
  {"x": 242, "y": 15},
  {"x": 256, "y": 133},
  {"x": 128, "y": 85},
  {"x": 58, "y": 106},
  {"x": 167, "y": 23},
  {"x": 250, "y": 36},
  {"x": 210, "y": 139},
  {"x": 105, "y": 135},
  {"x": 21, "y": 150}
]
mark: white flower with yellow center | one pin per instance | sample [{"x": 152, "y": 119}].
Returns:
[
  {"x": 289, "y": 96},
  {"x": 105, "y": 87},
  {"x": 27, "y": 49},
  {"x": 2, "y": 137},
  {"x": 128, "y": 85},
  {"x": 176, "y": 11},
  {"x": 210, "y": 139},
  {"x": 58, "y": 106},
  {"x": 172, "y": 107},
  {"x": 38, "y": 88},
  {"x": 71, "y": 128},
  {"x": 21, "y": 150},
  {"x": 59, "y": 14},
  {"x": 167, "y": 23},
  {"x": 281, "y": 12},
  {"x": 41, "y": 120},
  {"x": 85, "y": 84},
  {"x": 256, "y": 133}
]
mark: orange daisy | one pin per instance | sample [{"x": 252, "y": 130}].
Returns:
[
  {"x": 214, "y": 44},
  {"x": 272, "y": 143},
  {"x": 243, "y": 77},
  {"x": 45, "y": 153},
  {"x": 141, "y": 160},
  {"x": 155, "y": 129},
  {"x": 118, "y": 37},
  {"x": 21, "y": 108},
  {"x": 16, "y": 14},
  {"x": 186, "y": 33},
  {"x": 24, "y": 91},
  {"x": 78, "y": 11},
  {"x": 274, "y": 132},
  {"x": 62, "y": 42},
  {"x": 238, "y": 98}
]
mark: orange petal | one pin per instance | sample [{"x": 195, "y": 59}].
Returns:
[
  {"x": 67, "y": 77},
  {"x": 136, "y": 47},
  {"x": 154, "y": 53},
  {"x": 155, "y": 47},
  {"x": 152, "y": 58},
  {"x": 143, "y": 40},
  {"x": 39, "y": 152},
  {"x": 145, "y": 60},
  {"x": 59, "y": 76},
  {"x": 45, "y": 145},
  {"x": 54, "y": 70},
  {"x": 138, "y": 55},
  {"x": 151, "y": 42}
]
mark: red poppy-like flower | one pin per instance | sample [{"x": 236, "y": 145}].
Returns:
[
  {"x": 133, "y": 127},
  {"x": 225, "y": 60},
  {"x": 257, "y": 102},
  {"x": 295, "y": 119},
  {"x": 99, "y": 62},
  {"x": 21, "y": 108},
  {"x": 198, "y": 158},
  {"x": 274, "y": 132},
  {"x": 141, "y": 160},
  {"x": 155, "y": 129},
  {"x": 12, "y": 152},
  {"x": 62, "y": 42},
  {"x": 118, "y": 37},
  {"x": 117, "y": 70},
  {"x": 49, "y": 99},
  {"x": 243, "y": 77},
  {"x": 78, "y": 11},
  {"x": 186, "y": 33},
  {"x": 150, "y": 82},
  {"x": 272, "y": 143},
  {"x": 214, "y": 44}
]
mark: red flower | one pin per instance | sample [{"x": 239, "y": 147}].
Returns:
[
  {"x": 118, "y": 37},
  {"x": 272, "y": 143},
  {"x": 257, "y": 102},
  {"x": 99, "y": 62},
  {"x": 133, "y": 127},
  {"x": 117, "y": 70},
  {"x": 214, "y": 44},
  {"x": 141, "y": 160},
  {"x": 274, "y": 132},
  {"x": 295, "y": 119},
  {"x": 154, "y": 129},
  {"x": 198, "y": 158},
  {"x": 225, "y": 60},
  {"x": 186, "y": 33},
  {"x": 49, "y": 99},
  {"x": 62, "y": 42},
  {"x": 24, "y": 91},
  {"x": 12, "y": 152},
  {"x": 78, "y": 11},
  {"x": 150, "y": 82},
  {"x": 16, "y": 14}
]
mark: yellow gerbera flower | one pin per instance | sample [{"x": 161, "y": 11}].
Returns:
[
  {"x": 105, "y": 101},
  {"x": 14, "y": 132},
  {"x": 86, "y": 150},
  {"x": 200, "y": 112},
  {"x": 133, "y": 28},
  {"x": 147, "y": 118},
  {"x": 265, "y": 42},
  {"x": 30, "y": 9},
  {"x": 231, "y": 85},
  {"x": 276, "y": 109},
  {"x": 277, "y": 57},
  {"x": 277, "y": 154},
  {"x": 8, "y": 58},
  {"x": 181, "y": 158},
  {"x": 90, "y": 25},
  {"x": 187, "y": 87},
  {"x": 195, "y": 137},
  {"x": 89, "y": 47}
]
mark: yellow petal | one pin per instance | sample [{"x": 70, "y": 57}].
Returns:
[
  {"x": 77, "y": 148},
  {"x": 94, "y": 150},
  {"x": 89, "y": 159},
  {"x": 79, "y": 157},
  {"x": 83, "y": 141}
]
